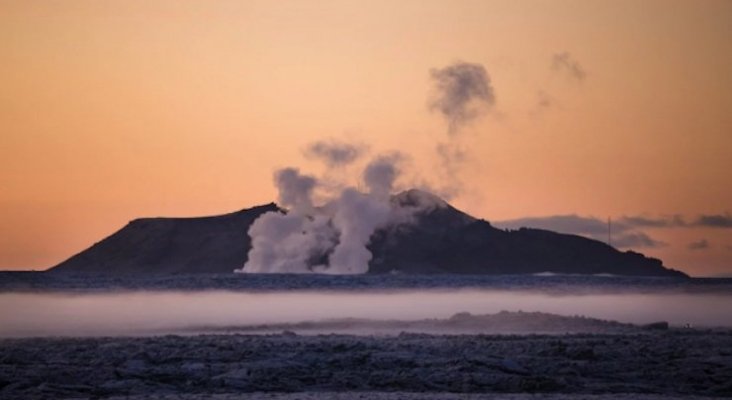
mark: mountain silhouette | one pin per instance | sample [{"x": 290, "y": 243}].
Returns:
[{"x": 440, "y": 239}]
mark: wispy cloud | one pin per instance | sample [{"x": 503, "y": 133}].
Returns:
[
  {"x": 715, "y": 221},
  {"x": 570, "y": 223},
  {"x": 335, "y": 153},
  {"x": 723, "y": 221},
  {"x": 636, "y": 240},
  {"x": 564, "y": 63},
  {"x": 702, "y": 244},
  {"x": 624, "y": 235},
  {"x": 642, "y": 221},
  {"x": 627, "y": 231}
]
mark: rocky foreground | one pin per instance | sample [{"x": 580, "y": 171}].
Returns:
[{"x": 655, "y": 364}]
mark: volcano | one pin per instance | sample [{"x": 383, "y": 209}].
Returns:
[{"x": 440, "y": 239}]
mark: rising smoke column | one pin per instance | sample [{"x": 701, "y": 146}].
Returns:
[
  {"x": 358, "y": 215},
  {"x": 286, "y": 243},
  {"x": 462, "y": 93},
  {"x": 295, "y": 190},
  {"x": 331, "y": 238}
]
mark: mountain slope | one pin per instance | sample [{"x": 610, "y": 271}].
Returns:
[
  {"x": 440, "y": 239},
  {"x": 217, "y": 244}
]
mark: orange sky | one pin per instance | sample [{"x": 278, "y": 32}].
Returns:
[{"x": 113, "y": 110}]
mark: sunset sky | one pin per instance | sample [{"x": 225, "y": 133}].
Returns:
[{"x": 114, "y": 110}]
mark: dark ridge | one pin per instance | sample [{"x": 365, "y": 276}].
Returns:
[
  {"x": 479, "y": 248},
  {"x": 214, "y": 244}
]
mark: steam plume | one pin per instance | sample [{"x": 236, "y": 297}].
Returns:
[
  {"x": 333, "y": 236},
  {"x": 330, "y": 238},
  {"x": 286, "y": 243},
  {"x": 381, "y": 173},
  {"x": 295, "y": 190},
  {"x": 464, "y": 92},
  {"x": 335, "y": 153}
]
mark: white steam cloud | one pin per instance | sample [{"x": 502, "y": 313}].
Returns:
[
  {"x": 328, "y": 224},
  {"x": 296, "y": 190},
  {"x": 331, "y": 238}
]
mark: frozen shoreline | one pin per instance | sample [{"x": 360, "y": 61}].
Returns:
[
  {"x": 668, "y": 363},
  {"x": 25, "y": 281},
  {"x": 414, "y": 396}
]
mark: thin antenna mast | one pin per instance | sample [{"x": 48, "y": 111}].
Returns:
[{"x": 609, "y": 232}]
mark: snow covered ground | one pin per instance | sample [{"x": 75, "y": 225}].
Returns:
[{"x": 409, "y": 365}]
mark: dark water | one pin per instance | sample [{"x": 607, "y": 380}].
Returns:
[
  {"x": 574, "y": 284},
  {"x": 46, "y": 304}
]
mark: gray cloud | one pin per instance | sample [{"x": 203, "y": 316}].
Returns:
[
  {"x": 702, "y": 244},
  {"x": 571, "y": 223},
  {"x": 463, "y": 92},
  {"x": 650, "y": 222},
  {"x": 715, "y": 221},
  {"x": 624, "y": 235},
  {"x": 589, "y": 225},
  {"x": 335, "y": 153},
  {"x": 626, "y": 230},
  {"x": 723, "y": 221},
  {"x": 563, "y": 62},
  {"x": 636, "y": 240}
]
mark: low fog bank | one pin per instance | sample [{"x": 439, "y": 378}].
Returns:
[
  {"x": 150, "y": 313},
  {"x": 504, "y": 322}
]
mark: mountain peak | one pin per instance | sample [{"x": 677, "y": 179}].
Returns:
[{"x": 418, "y": 198}]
